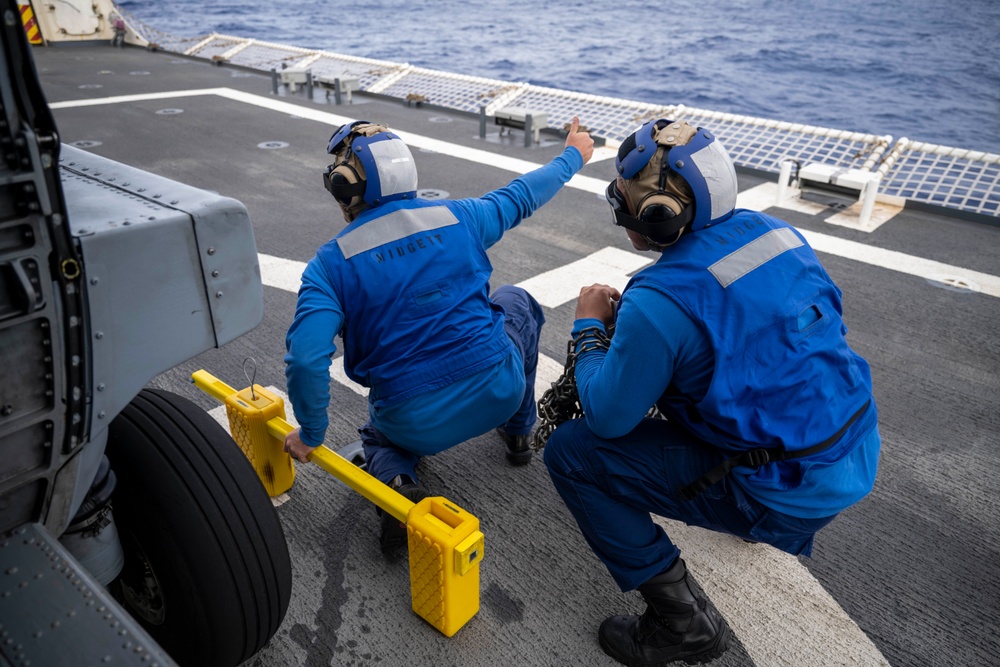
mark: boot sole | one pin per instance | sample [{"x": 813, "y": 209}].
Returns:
[
  {"x": 519, "y": 458},
  {"x": 720, "y": 646}
]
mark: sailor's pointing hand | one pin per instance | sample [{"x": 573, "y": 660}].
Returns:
[{"x": 582, "y": 141}]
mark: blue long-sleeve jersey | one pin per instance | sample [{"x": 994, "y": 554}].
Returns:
[
  {"x": 657, "y": 345},
  {"x": 320, "y": 316}
]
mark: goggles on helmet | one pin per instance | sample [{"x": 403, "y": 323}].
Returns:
[{"x": 341, "y": 135}]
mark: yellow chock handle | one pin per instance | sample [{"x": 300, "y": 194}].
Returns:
[
  {"x": 385, "y": 497},
  {"x": 444, "y": 541}
]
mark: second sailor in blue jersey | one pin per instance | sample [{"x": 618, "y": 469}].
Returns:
[{"x": 736, "y": 334}]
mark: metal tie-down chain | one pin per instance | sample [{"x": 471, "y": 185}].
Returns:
[{"x": 560, "y": 402}]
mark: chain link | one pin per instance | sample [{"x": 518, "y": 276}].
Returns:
[{"x": 560, "y": 402}]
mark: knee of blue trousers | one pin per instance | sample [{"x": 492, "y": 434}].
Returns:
[
  {"x": 564, "y": 446},
  {"x": 384, "y": 460},
  {"x": 514, "y": 298}
]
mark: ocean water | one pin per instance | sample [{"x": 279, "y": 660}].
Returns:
[{"x": 923, "y": 69}]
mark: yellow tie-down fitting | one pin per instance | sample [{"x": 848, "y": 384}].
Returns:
[{"x": 444, "y": 541}]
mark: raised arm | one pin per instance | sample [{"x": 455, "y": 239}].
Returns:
[{"x": 500, "y": 210}]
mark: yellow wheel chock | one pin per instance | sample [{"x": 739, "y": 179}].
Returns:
[{"x": 444, "y": 541}]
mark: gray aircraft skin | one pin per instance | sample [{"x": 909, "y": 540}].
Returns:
[{"x": 909, "y": 576}]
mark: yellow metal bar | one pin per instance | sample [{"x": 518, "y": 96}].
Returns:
[
  {"x": 388, "y": 499},
  {"x": 212, "y": 385}
]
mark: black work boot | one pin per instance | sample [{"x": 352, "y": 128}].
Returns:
[
  {"x": 392, "y": 534},
  {"x": 518, "y": 447},
  {"x": 678, "y": 625}
]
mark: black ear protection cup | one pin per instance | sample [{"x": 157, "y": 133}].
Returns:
[
  {"x": 344, "y": 183},
  {"x": 656, "y": 218},
  {"x": 658, "y": 207}
]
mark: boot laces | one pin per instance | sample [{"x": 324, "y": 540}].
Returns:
[{"x": 649, "y": 623}]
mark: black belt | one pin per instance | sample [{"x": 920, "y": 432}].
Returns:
[{"x": 759, "y": 457}]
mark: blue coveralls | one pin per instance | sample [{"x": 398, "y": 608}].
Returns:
[
  {"x": 736, "y": 335},
  {"x": 407, "y": 284}
]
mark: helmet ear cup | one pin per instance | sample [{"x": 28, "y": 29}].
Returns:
[
  {"x": 344, "y": 175},
  {"x": 658, "y": 207},
  {"x": 345, "y": 184}
]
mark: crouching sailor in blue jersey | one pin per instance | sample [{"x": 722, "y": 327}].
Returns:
[
  {"x": 736, "y": 335},
  {"x": 406, "y": 284}
]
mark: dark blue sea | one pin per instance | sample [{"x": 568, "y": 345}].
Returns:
[{"x": 924, "y": 69}]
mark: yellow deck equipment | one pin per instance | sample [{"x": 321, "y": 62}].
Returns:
[{"x": 444, "y": 541}]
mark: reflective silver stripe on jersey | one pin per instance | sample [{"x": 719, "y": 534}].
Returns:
[
  {"x": 393, "y": 227},
  {"x": 737, "y": 264}
]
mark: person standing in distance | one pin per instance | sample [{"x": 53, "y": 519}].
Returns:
[
  {"x": 406, "y": 284},
  {"x": 736, "y": 335}
]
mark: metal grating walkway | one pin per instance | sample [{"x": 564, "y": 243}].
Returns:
[{"x": 938, "y": 175}]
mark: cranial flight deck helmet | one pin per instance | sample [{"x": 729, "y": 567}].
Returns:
[
  {"x": 373, "y": 166},
  {"x": 675, "y": 175}
]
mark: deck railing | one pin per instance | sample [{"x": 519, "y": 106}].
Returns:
[{"x": 914, "y": 171}]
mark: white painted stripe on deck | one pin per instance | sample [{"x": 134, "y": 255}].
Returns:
[
  {"x": 586, "y": 183},
  {"x": 546, "y": 373},
  {"x": 142, "y": 97},
  {"x": 338, "y": 373},
  {"x": 781, "y": 614},
  {"x": 609, "y": 266},
  {"x": 753, "y": 198},
  {"x": 284, "y": 274},
  {"x": 901, "y": 262},
  {"x": 762, "y": 197}
]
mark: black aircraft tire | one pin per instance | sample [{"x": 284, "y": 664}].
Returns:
[{"x": 207, "y": 571}]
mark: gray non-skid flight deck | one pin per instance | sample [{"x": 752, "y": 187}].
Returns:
[{"x": 914, "y": 565}]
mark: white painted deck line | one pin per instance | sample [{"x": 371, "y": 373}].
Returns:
[
  {"x": 753, "y": 198},
  {"x": 338, "y": 373},
  {"x": 780, "y": 613},
  {"x": 609, "y": 266},
  {"x": 515, "y": 165},
  {"x": 901, "y": 262},
  {"x": 762, "y": 197},
  {"x": 141, "y": 97},
  {"x": 281, "y": 273}
]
